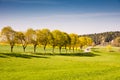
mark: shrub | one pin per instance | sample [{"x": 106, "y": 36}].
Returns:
[{"x": 109, "y": 48}]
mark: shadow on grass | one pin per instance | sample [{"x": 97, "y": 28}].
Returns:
[
  {"x": 85, "y": 54},
  {"x": 19, "y": 55},
  {"x": 81, "y": 54},
  {"x": 42, "y": 55},
  {"x": 95, "y": 50},
  {"x": 3, "y": 56}
]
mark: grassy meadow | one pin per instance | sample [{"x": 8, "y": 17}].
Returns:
[{"x": 99, "y": 64}]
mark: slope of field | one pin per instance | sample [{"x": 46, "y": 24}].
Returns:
[{"x": 97, "y": 65}]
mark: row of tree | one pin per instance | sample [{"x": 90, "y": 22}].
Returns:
[{"x": 44, "y": 37}]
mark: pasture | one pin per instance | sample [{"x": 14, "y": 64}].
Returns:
[{"x": 99, "y": 64}]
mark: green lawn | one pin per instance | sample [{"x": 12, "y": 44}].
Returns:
[{"x": 97, "y": 65}]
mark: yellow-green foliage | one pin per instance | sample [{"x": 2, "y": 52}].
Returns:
[
  {"x": 85, "y": 41},
  {"x": 109, "y": 48}
]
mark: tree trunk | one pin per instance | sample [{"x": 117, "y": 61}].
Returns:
[
  {"x": 24, "y": 44},
  {"x": 76, "y": 49},
  {"x": 60, "y": 49},
  {"x": 35, "y": 48},
  {"x": 80, "y": 47},
  {"x": 24, "y": 48},
  {"x": 70, "y": 49},
  {"x": 45, "y": 49},
  {"x": 66, "y": 49},
  {"x": 73, "y": 49},
  {"x": 53, "y": 49},
  {"x": 11, "y": 48}
]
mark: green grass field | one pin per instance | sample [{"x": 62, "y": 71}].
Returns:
[{"x": 97, "y": 65}]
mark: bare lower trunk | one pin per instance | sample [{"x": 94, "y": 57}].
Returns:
[
  {"x": 35, "y": 48},
  {"x": 73, "y": 49},
  {"x": 70, "y": 49},
  {"x": 65, "y": 49},
  {"x": 24, "y": 48},
  {"x": 80, "y": 47},
  {"x": 11, "y": 48},
  {"x": 12, "y": 45},
  {"x": 45, "y": 49},
  {"x": 76, "y": 49},
  {"x": 60, "y": 49},
  {"x": 53, "y": 49}
]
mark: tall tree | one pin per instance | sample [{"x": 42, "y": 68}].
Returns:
[
  {"x": 10, "y": 35},
  {"x": 74, "y": 39},
  {"x": 67, "y": 40},
  {"x": 85, "y": 41},
  {"x": 82, "y": 42},
  {"x": 44, "y": 37},
  {"x": 22, "y": 39},
  {"x": 53, "y": 42},
  {"x": 58, "y": 39},
  {"x": 31, "y": 36}
]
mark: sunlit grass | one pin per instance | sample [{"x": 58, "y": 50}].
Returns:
[{"x": 97, "y": 65}]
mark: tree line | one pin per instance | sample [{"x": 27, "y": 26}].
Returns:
[
  {"x": 111, "y": 37},
  {"x": 55, "y": 38}
]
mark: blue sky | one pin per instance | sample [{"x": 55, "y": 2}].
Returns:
[{"x": 71, "y": 16}]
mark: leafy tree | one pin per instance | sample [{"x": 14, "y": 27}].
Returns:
[
  {"x": 22, "y": 39},
  {"x": 10, "y": 35},
  {"x": 74, "y": 39},
  {"x": 85, "y": 41},
  {"x": 89, "y": 41},
  {"x": 58, "y": 39},
  {"x": 44, "y": 37},
  {"x": 53, "y": 42},
  {"x": 67, "y": 40},
  {"x": 31, "y": 37},
  {"x": 82, "y": 42}
]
